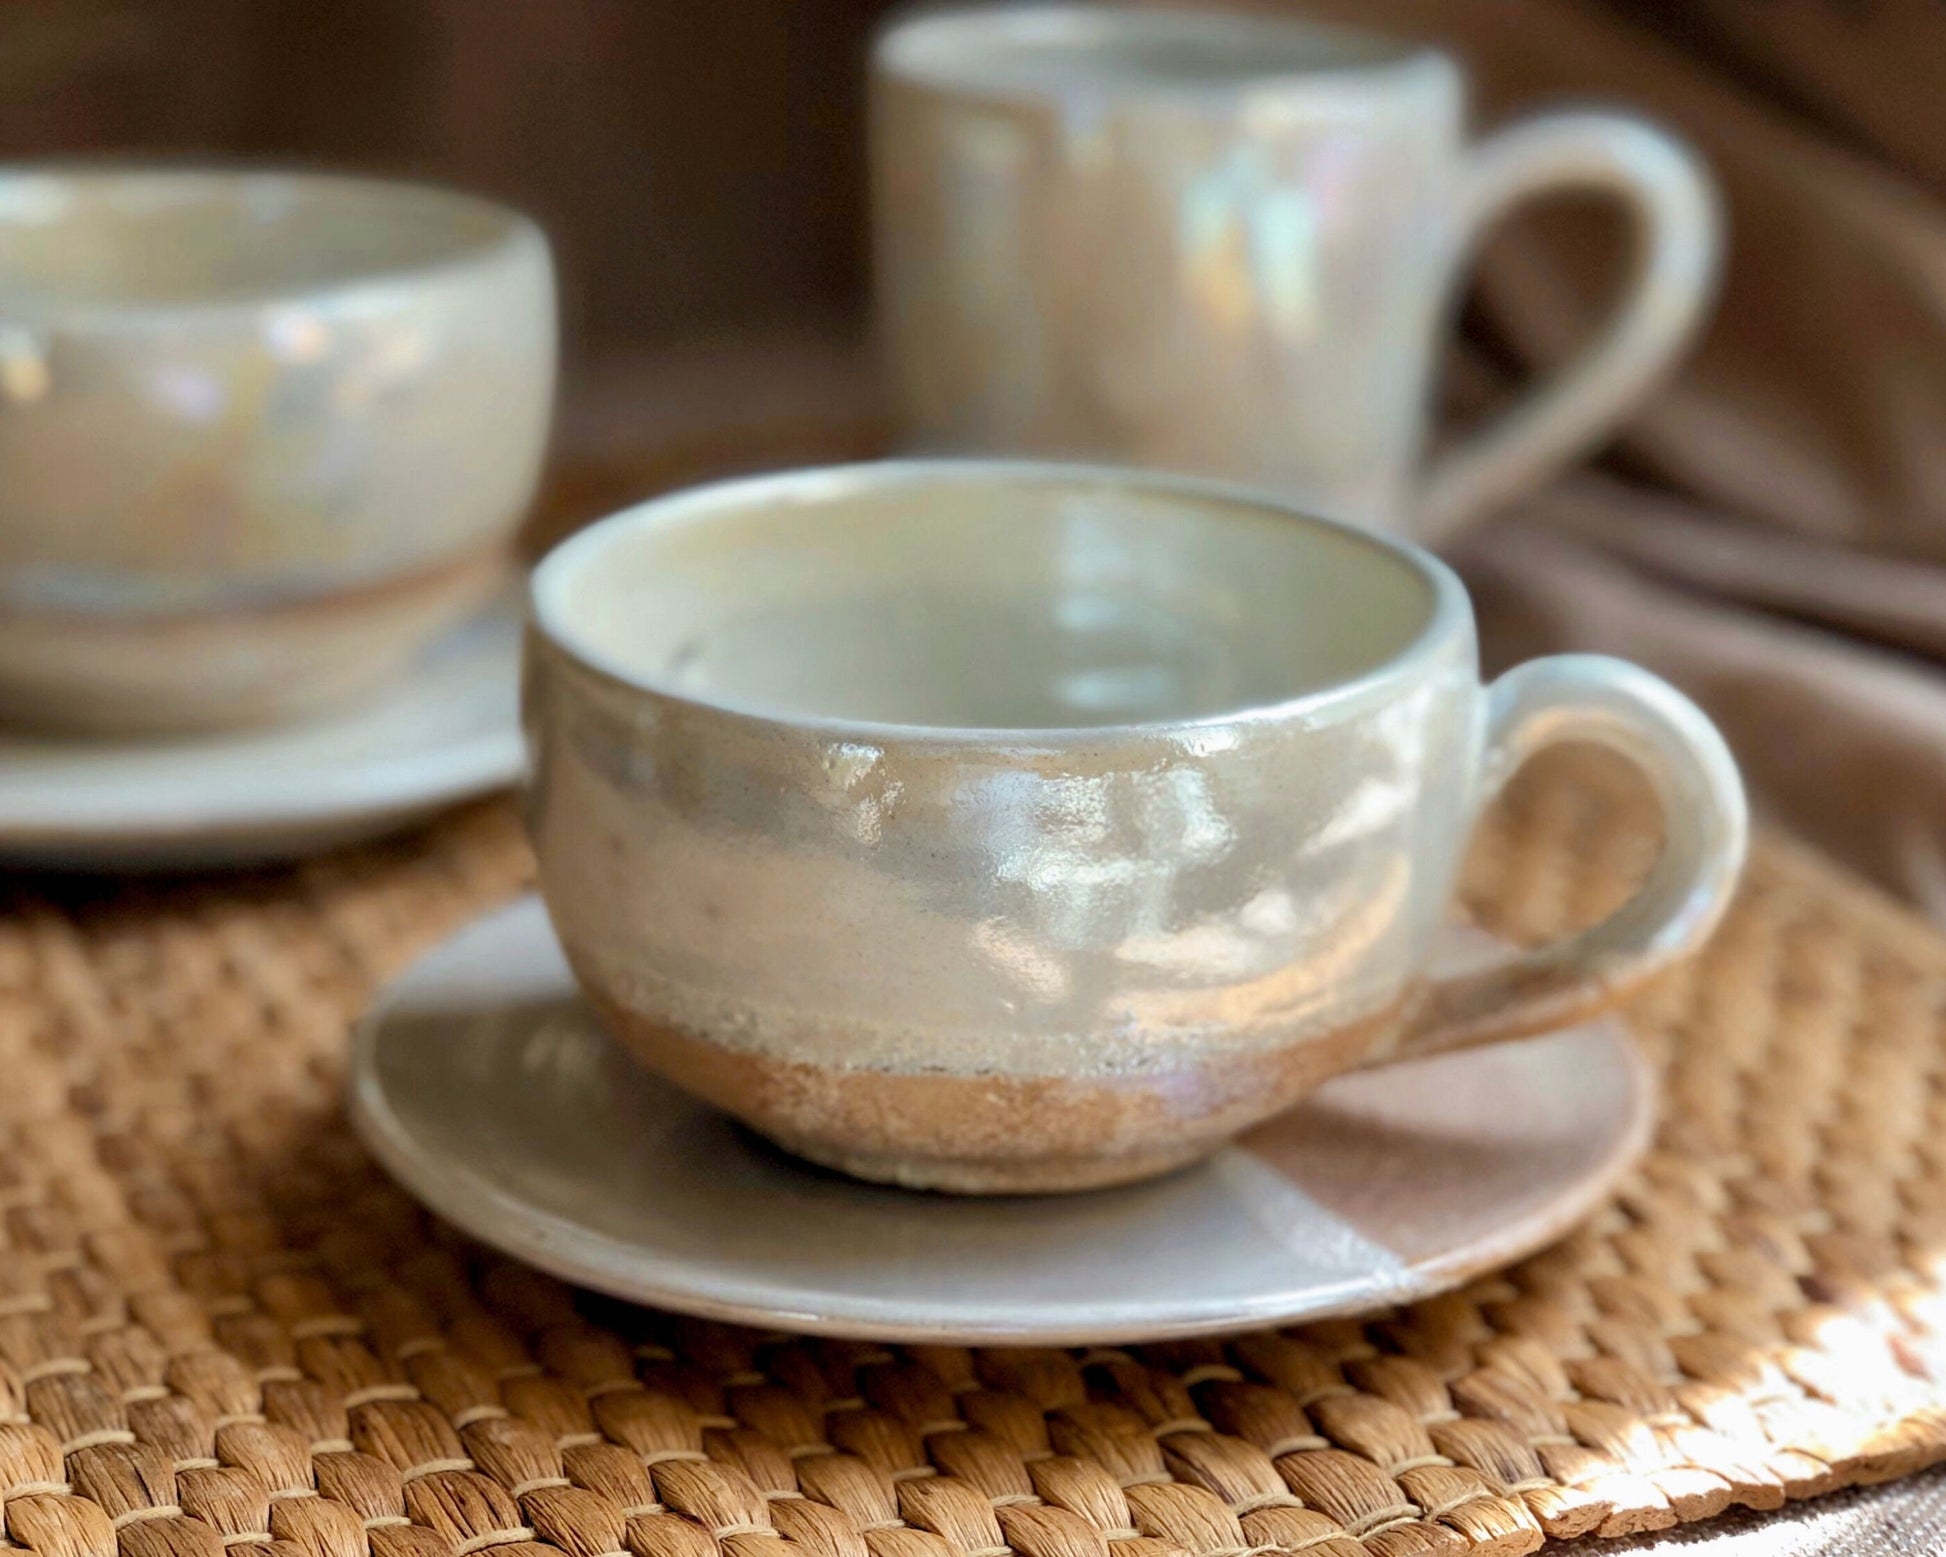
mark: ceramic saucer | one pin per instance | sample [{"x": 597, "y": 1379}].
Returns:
[
  {"x": 481, "y": 1082},
  {"x": 446, "y": 730}
]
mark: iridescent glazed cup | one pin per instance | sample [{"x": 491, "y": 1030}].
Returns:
[
  {"x": 1232, "y": 244},
  {"x": 262, "y": 435},
  {"x": 1001, "y": 827}
]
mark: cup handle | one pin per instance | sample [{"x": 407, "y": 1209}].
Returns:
[
  {"x": 1590, "y": 697},
  {"x": 1678, "y": 243}
]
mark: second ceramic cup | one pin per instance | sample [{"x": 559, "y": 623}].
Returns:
[
  {"x": 1229, "y": 245},
  {"x": 262, "y": 435}
]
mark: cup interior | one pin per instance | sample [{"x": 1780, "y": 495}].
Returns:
[
  {"x": 970, "y": 597},
  {"x": 132, "y": 236},
  {"x": 1063, "y": 48}
]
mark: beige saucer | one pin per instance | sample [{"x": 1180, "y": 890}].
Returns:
[
  {"x": 482, "y": 1084},
  {"x": 446, "y": 728}
]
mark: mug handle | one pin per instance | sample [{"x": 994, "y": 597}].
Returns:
[
  {"x": 1678, "y": 243},
  {"x": 1590, "y": 697}
]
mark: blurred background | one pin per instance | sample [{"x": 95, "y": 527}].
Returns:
[
  {"x": 1770, "y": 532},
  {"x": 698, "y": 169},
  {"x": 696, "y": 166}
]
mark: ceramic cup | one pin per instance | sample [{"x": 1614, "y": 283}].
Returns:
[
  {"x": 1014, "y": 827},
  {"x": 262, "y": 435},
  {"x": 1230, "y": 245}
]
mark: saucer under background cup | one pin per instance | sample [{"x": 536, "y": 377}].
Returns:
[
  {"x": 446, "y": 729},
  {"x": 481, "y": 1082}
]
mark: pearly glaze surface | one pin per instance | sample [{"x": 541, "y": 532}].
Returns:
[
  {"x": 995, "y": 827},
  {"x": 1230, "y": 244},
  {"x": 262, "y": 435},
  {"x": 1214, "y": 245},
  {"x": 1124, "y": 875},
  {"x": 222, "y": 389}
]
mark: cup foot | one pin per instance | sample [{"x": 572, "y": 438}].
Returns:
[
  {"x": 977, "y": 1176},
  {"x": 977, "y": 1132}
]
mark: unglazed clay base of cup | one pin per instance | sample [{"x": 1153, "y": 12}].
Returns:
[
  {"x": 482, "y": 1081},
  {"x": 445, "y": 728},
  {"x": 975, "y": 1132}
]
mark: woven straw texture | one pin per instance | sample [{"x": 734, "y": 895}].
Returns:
[{"x": 221, "y": 1327}]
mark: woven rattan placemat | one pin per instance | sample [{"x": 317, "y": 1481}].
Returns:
[{"x": 221, "y": 1327}]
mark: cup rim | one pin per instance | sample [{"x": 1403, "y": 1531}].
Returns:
[
  {"x": 900, "y": 49},
  {"x": 507, "y": 230},
  {"x": 550, "y": 617}
]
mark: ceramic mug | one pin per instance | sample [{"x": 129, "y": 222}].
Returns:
[
  {"x": 262, "y": 434},
  {"x": 1230, "y": 245},
  {"x": 1006, "y": 827}
]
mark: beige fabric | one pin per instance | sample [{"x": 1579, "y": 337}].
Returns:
[
  {"x": 1843, "y": 742},
  {"x": 1779, "y": 542}
]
